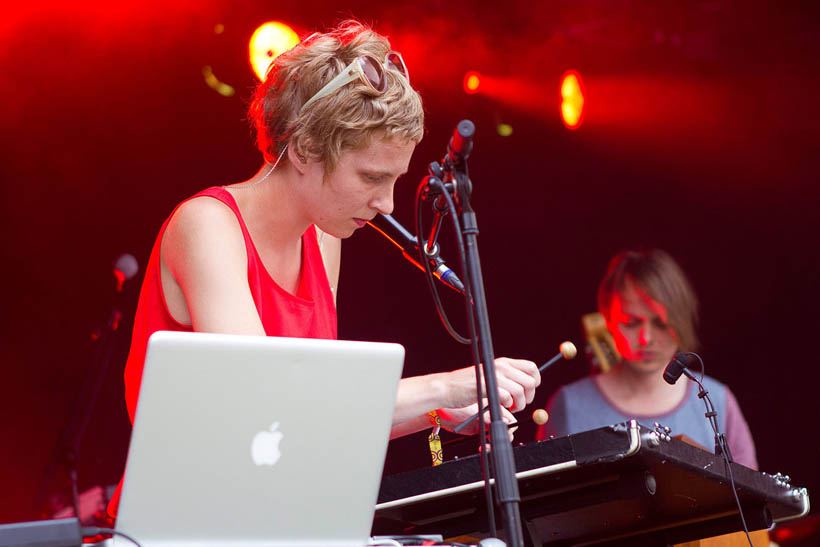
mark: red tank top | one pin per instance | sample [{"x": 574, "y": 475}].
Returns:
[{"x": 310, "y": 313}]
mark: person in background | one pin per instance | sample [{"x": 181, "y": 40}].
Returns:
[{"x": 651, "y": 311}]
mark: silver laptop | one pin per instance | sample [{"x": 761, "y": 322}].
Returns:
[{"x": 245, "y": 440}]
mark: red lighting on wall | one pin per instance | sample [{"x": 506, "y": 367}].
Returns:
[
  {"x": 472, "y": 81},
  {"x": 572, "y": 99},
  {"x": 268, "y": 41}
]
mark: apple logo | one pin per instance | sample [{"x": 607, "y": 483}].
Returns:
[{"x": 265, "y": 446}]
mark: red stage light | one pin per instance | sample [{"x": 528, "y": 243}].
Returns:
[
  {"x": 267, "y": 42},
  {"x": 472, "y": 81},
  {"x": 572, "y": 99}
]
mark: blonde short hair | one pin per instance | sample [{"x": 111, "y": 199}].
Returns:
[
  {"x": 346, "y": 119},
  {"x": 657, "y": 273}
]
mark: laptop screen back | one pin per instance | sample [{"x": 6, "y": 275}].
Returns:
[{"x": 242, "y": 439}]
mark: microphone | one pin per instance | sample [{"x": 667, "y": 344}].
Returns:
[
  {"x": 461, "y": 143},
  {"x": 390, "y": 228},
  {"x": 678, "y": 365},
  {"x": 125, "y": 268}
]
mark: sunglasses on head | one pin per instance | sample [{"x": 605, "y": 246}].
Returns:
[{"x": 368, "y": 70}]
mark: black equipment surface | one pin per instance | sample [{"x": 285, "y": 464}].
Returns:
[{"x": 619, "y": 485}]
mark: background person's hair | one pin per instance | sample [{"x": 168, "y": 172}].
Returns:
[
  {"x": 655, "y": 272},
  {"x": 347, "y": 118}
]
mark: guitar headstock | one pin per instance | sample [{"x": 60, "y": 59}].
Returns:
[{"x": 600, "y": 349}]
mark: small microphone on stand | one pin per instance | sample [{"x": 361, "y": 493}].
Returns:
[
  {"x": 461, "y": 143},
  {"x": 67, "y": 451},
  {"x": 407, "y": 243},
  {"x": 679, "y": 364},
  {"x": 125, "y": 268}
]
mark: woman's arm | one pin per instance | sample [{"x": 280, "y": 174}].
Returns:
[
  {"x": 204, "y": 265},
  {"x": 204, "y": 279}
]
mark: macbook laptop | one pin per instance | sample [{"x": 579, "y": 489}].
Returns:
[{"x": 246, "y": 440}]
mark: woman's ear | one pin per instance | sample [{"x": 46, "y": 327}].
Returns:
[{"x": 297, "y": 160}]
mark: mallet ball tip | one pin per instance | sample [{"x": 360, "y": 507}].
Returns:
[
  {"x": 540, "y": 416},
  {"x": 568, "y": 350}
]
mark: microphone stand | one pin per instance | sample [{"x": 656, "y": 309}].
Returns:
[
  {"x": 679, "y": 365},
  {"x": 67, "y": 450},
  {"x": 455, "y": 171}
]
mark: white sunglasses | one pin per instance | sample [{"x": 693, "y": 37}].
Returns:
[{"x": 367, "y": 69}]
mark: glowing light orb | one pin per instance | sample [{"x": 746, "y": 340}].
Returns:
[
  {"x": 472, "y": 81},
  {"x": 213, "y": 82},
  {"x": 572, "y": 99},
  {"x": 268, "y": 41},
  {"x": 505, "y": 129}
]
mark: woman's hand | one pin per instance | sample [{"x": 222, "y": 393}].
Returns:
[
  {"x": 451, "y": 417},
  {"x": 516, "y": 380},
  {"x": 455, "y": 393}
]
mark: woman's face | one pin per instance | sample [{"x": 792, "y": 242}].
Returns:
[
  {"x": 638, "y": 325},
  {"x": 360, "y": 187}
]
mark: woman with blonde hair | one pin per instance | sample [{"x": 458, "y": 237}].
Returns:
[{"x": 337, "y": 122}]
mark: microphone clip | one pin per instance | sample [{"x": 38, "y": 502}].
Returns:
[{"x": 432, "y": 184}]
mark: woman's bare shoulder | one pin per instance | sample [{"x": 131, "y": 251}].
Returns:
[{"x": 203, "y": 229}]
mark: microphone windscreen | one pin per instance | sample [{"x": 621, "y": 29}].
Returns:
[
  {"x": 675, "y": 367},
  {"x": 127, "y": 265},
  {"x": 462, "y": 141},
  {"x": 673, "y": 371}
]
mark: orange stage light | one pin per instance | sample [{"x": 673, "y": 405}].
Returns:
[
  {"x": 267, "y": 42},
  {"x": 472, "y": 81},
  {"x": 213, "y": 82},
  {"x": 572, "y": 99}
]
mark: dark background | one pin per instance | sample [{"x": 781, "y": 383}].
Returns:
[{"x": 700, "y": 137}]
